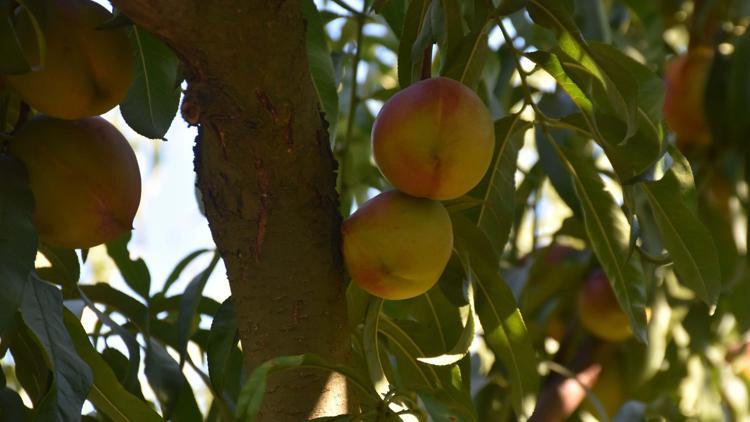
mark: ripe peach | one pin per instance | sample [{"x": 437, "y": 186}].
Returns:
[
  {"x": 434, "y": 139},
  {"x": 84, "y": 177},
  {"x": 599, "y": 311},
  {"x": 86, "y": 71},
  {"x": 396, "y": 246},
  {"x": 684, "y": 102}
]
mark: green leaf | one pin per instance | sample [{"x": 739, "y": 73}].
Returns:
[
  {"x": 10, "y": 48},
  {"x": 18, "y": 238},
  {"x": 116, "y": 300},
  {"x": 107, "y": 394},
  {"x": 222, "y": 345},
  {"x": 438, "y": 386},
  {"x": 609, "y": 233},
  {"x": 552, "y": 64},
  {"x": 437, "y": 315},
  {"x": 497, "y": 211},
  {"x": 650, "y": 87},
  {"x": 65, "y": 269},
  {"x": 120, "y": 365},
  {"x": 11, "y": 405},
  {"x": 206, "y": 305},
  {"x": 633, "y": 161},
  {"x": 594, "y": 20},
  {"x": 126, "y": 302},
  {"x": 14, "y": 61},
  {"x": 371, "y": 347},
  {"x": 504, "y": 328},
  {"x": 189, "y": 305},
  {"x": 447, "y": 23},
  {"x": 394, "y": 13},
  {"x": 169, "y": 384},
  {"x": 688, "y": 241},
  {"x": 554, "y": 105},
  {"x": 465, "y": 61},
  {"x": 409, "y": 47},
  {"x": 737, "y": 90},
  {"x": 251, "y": 396},
  {"x": 180, "y": 267},
  {"x": 135, "y": 272},
  {"x": 31, "y": 362},
  {"x": 461, "y": 348},
  {"x": 321, "y": 66},
  {"x": 42, "y": 311},
  {"x": 611, "y": 90},
  {"x": 401, "y": 344},
  {"x": 506, "y": 7},
  {"x": 151, "y": 103}
]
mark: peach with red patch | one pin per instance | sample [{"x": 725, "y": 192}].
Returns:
[
  {"x": 684, "y": 102},
  {"x": 599, "y": 311},
  {"x": 84, "y": 176},
  {"x": 396, "y": 246},
  {"x": 434, "y": 139}
]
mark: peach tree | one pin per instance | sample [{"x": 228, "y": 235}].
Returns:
[{"x": 570, "y": 239}]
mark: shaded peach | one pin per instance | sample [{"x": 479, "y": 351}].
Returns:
[
  {"x": 684, "y": 101},
  {"x": 84, "y": 177},
  {"x": 598, "y": 310},
  {"x": 396, "y": 246},
  {"x": 86, "y": 71}
]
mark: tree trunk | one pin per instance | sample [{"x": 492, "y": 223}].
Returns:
[{"x": 267, "y": 178}]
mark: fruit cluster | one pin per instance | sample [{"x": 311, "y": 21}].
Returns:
[
  {"x": 82, "y": 171},
  {"x": 433, "y": 141}
]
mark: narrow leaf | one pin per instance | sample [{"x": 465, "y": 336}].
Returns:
[
  {"x": 18, "y": 238},
  {"x": 169, "y": 384},
  {"x": 134, "y": 351},
  {"x": 372, "y": 349},
  {"x": 497, "y": 211},
  {"x": 135, "y": 272},
  {"x": 616, "y": 89},
  {"x": 413, "y": 27},
  {"x": 151, "y": 103},
  {"x": 222, "y": 344},
  {"x": 14, "y": 61},
  {"x": 461, "y": 348},
  {"x": 180, "y": 267},
  {"x": 688, "y": 241},
  {"x": 189, "y": 305},
  {"x": 504, "y": 328},
  {"x": 321, "y": 65},
  {"x": 251, "y": 396},
  {"x": 466, "y": 60},
  {"x": 609, "y": 234},
  {"x": 42, "y": 311},
  {"x": 107, "y": 394},
  {"x": 401, "y": 343},
  {"x": 65, "y": 269}
]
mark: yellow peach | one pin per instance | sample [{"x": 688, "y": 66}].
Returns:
[
  {"x": 434, "y": 139},
  {"x": 86, "y": 71},
  {"x": 599, "y": 311},
  {"x": 396, "y": 246},
  {"x": 84, "y": 177}
]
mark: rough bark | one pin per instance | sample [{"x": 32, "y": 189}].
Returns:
[{"x": 267, "y": 178}]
